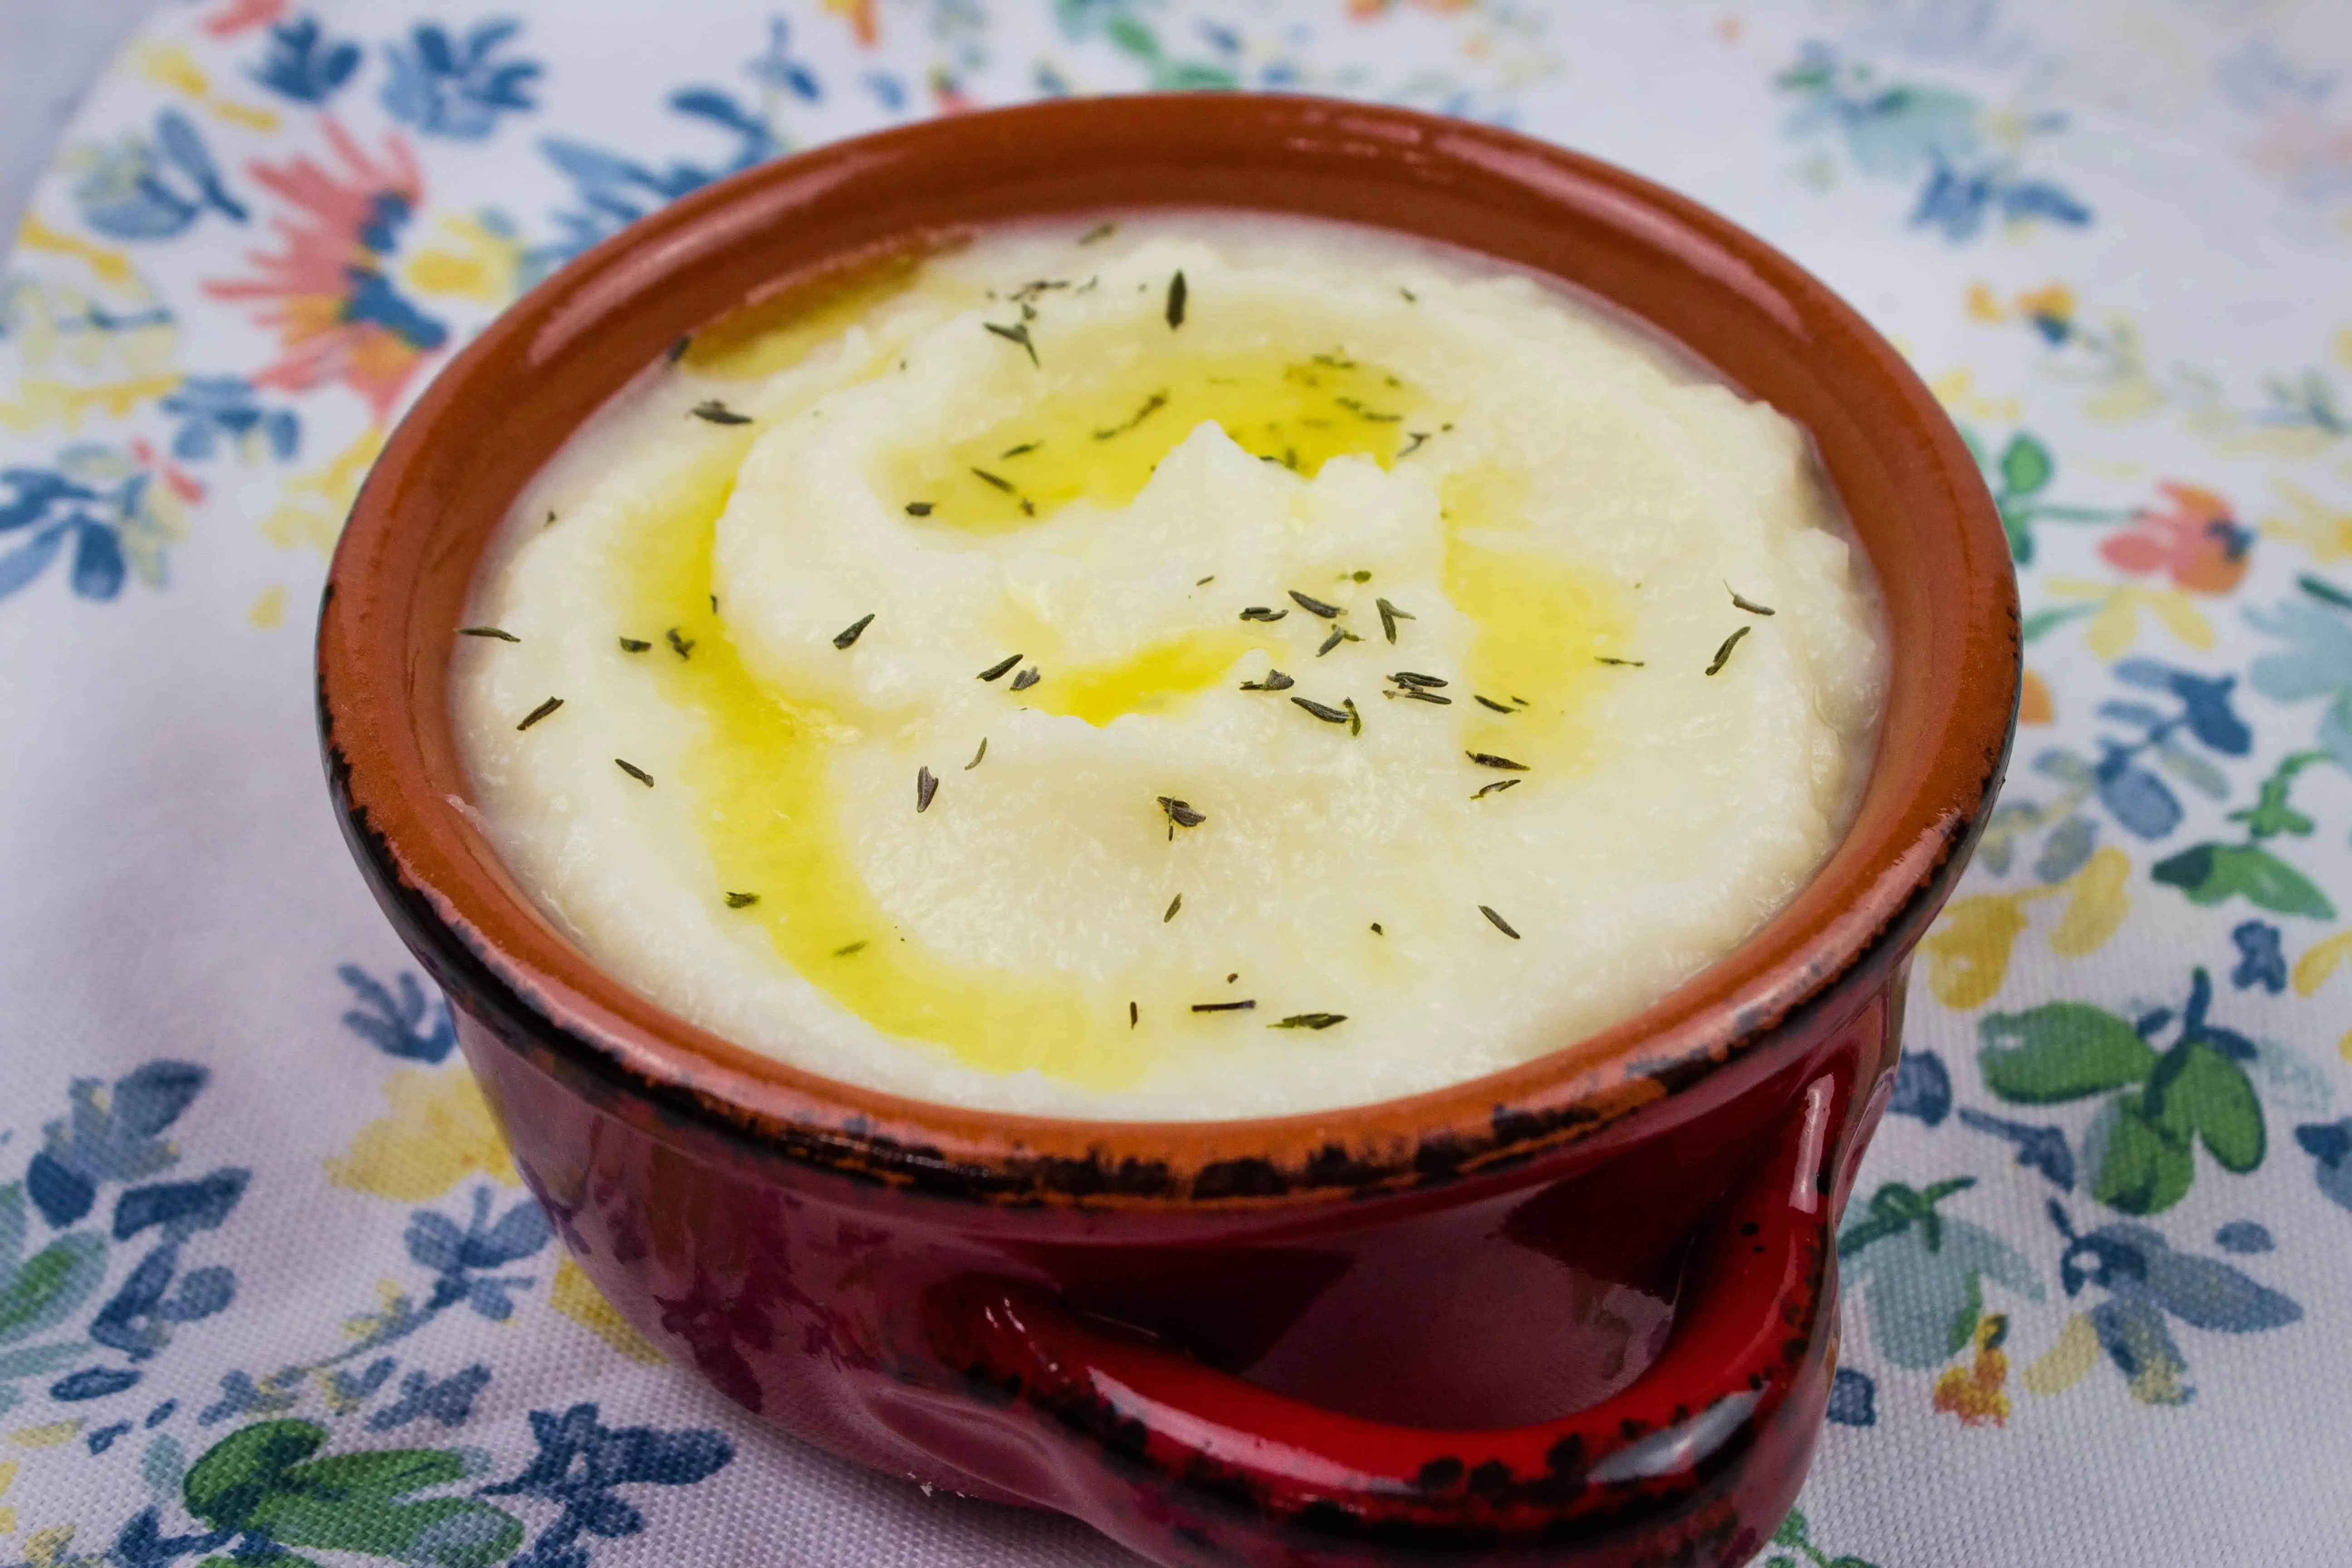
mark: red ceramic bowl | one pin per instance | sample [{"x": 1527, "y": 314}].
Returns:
[{"x": 1579, "y": 1312}]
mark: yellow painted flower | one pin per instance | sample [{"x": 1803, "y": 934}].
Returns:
[
  {"x": 2068, "y": 1362},
  {"x": 2114, "y": 627},
  {"x": 479, "y": 261},
  {"x": 439, "y": 1132},
  {"x": 2327, "y": 535},
  {"x": 2319, "y": 960},
  {"x": 1978, "y": 1393},
  {"x": 316, "y": 503},
  {"x": 1970, "y": 947},
  {"x": 174, "y": 66}
]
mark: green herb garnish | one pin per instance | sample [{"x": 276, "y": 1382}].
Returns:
[
  {"x": 926, "y": 785},
  {"x": 742, "y": 900},
  {"x": 1099, "y": 231},
  {"x": 1723, "y": 654},
  {"x": 541, "y": 711},
  {"x": 1026, "y": 679},
  {"x": 1485, "y": 789},
  {"x": 919, "y": 509},
  {"x": 1180, "y": 812},
  {"x": 1007, "y": 486},
  {"x": 1249, "y": 1005},
  {"x": 499, "y": 632},
  {"x": 1750, "y": 606},
  {"x": 847, "y": 948},
  {"x": 1329, "y": 715},
  {"x": 1497, "y": 707},
  {"x": 1627, "y": 663},
  {"x": 998, "y": 669},
  {"x": 1334, "y": 640},
  {"x": 1260, "y": 613},
  {"x": 635, "y": 771},
  {"x": 1176, "y": 302},
  {"x": 1310, "y": 1021},
  {"x": 681, "y": 646},
  {"x": 977, "y": 755},
  {"x": 1023, "y": 450},
  {"x": 1016, "y": 333},
  {"x": 1314, "y": 607},
  {"x": 1355, "y": 719},
  {"x": 717, "y": 413},
  {"x": 1413, "y": 677},
  {"x": 1416, "y": 694},
  {"x": 1498, "y": 923},
  {"x": 1274, "y": 681},
  {"x": 635, "y": 645},
  {"x": 1152, "y": 404},
  {"x": 1390, "y": 617},
  {"x": 1488, "y": 760},
  {"x": 852, "y": 632},
  {"x": 1173, "y": 905}
]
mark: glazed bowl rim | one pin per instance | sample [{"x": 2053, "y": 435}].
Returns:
[{"x": 488, "y": 944}]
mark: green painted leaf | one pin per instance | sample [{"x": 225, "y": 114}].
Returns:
[
  {"x": 2217, "y": 1100},
  {"x": 236, "y": 1475},
  {"x": 263, "y": 1479},
  {"x": 2212, "y": 873},
  {"x": 49, "y": 1285},
  {"x": 2143, "y": 1168},
  {"x": 2060, "y": 1051},
  {"x": 2026, "y": 465},
  {"x": 1964, "y": 1321},
  {"x": 2042, "y": 622},
  {"x": 1792, "y": 1529}
]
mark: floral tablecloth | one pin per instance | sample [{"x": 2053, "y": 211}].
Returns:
[{"x": 257, "y": 1234}]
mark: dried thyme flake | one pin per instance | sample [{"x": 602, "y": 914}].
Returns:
[
  {"x": 676, "y": 351},
  {"x": 1176, "y": 302},
  {"x": 1355, "y": 719},
  {"x": 1499, "y": 707},
  {"x": 1248, "y": 1006},
  {"x": 1026, "y": 679},
  {"x": 845, "y": 949},
  {"x": 1723, "y": 654},
  {"x": 1376, "y": 931},
  {"x": 1627, "y": 663},
  {"x": 1016, "y": 333},
  {"x": 1360, "y": 576},
  {"x": 718, "y": 412},
  {"x": 681, "y": 646},
  {"x": 1415, "y": 694},
  {"x": 1173, "y": 905},
  {"x": 1134, "y": 1014},
  {"x": 1498, "y": 923},
  {"x": 1260, "y": 613},
  {"x": 1310, "y": 1021},
  {"x": 634, "y": 770},
  {"x": 852, "y": 632},
  {"x": 998, "y": 669},
  {"x": 1274, "y": 681},
  {"x": 1409, "y": 297},
  {"x": 1489, "y": 760},
  {"x": 1023, "y": 450},
  {"x": 1151, "y": 405},
  {"x": 1329, "y": 715},
  {"x": 1414, "y": 677},
  {"x": 1485, "y": 789},
  {"x": 635, "y": 645},
  {"x": 1181, "y": 813},
  {"x": 1410, "y": 447},
  {"x": 1357, "y": 408},
  {"x": 1100, "y": 231},
  {"x": 1334, "y": 640},
  {"x": 1007, "y": 486},
  {"x": 1741, "y": 602},
  {"x": 926, "y": 785},
  {"x": 919, "y": 509},
  {"x": 541, "y": 711},
  {"x": 742, "y": 900},
  {"x": 1314, "y": 607},
  {"x": 1391, "y": 615},
  {"x": 499, "y": 632},
  {"x": 1204, "y": 582},
  {"x": 977, "y": 755}
]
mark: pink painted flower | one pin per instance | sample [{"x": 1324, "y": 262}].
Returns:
[
  {"x": 337, "y": 311},
  {"x": 2195, "y": 540}
]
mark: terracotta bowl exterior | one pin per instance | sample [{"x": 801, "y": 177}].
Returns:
[{"x": 1581, "y": 1311}]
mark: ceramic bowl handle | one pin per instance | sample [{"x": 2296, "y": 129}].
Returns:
[{"x": 1189, "y": 1464}]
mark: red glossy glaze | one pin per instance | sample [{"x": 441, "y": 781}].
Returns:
[{"x": 1580, "y": 1311}]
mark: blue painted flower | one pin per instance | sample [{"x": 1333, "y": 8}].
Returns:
[
  {"x": 410, "y": 1026},
  {"x": 1854, "y": 1399},
  {"x": 775, "y": 68},
  {"x": 2205, "y": 705},
  {"x": 449, "y": 1401},
  {"x": 1920, "y": 1275},
  {"x": 2330, "y": 1143},
  {"x": 1923, "y": 1088},
  {"x": 1957, "y": 201},
  {"x": 150, "y": 188},
  {"x": 581, "y": 1464},
  {"x": 457, "y": 86},
  {"x": 218, "y": 410},
  {"x": 463, "y": 1259},
  {"x": 103, "y": 503},
  {"x": 2261, "y": 960},
  {"x": 2042, "y": 1149},
  {"x": 2148, "y": 1282},
  {"x": 114, "y": 1134},
  {"x": 2318, "y": 664},
  {"x": 304, "y": 64},
  {"x": 611, "y": 189}
]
